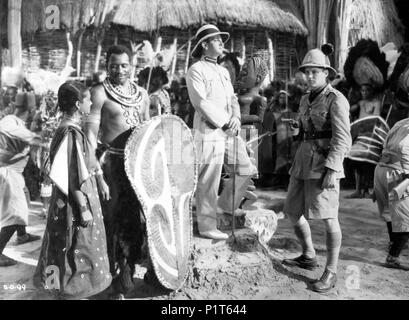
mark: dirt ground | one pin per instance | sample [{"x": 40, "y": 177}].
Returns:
[{"x": 246, "y": 269}]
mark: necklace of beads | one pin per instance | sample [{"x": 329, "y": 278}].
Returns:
[
  {"x": 129, "y": 101},
  {"x": 129, "y": 98}
]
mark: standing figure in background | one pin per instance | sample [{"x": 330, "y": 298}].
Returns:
[
  {"x": 313, "y": 191},
  {"x": 159, "y": 97},
  {"x": 183, "y": 107},
  {"x": 252, "y": 108},
  {"x": 216, "y": 123},
  {"x": 8, "y": 103},
  {"x": 45, "y": 123},
  {"x": 285, "y": 146},
  {"x": 369, "y": 105},
  {"x": 15, "y": 142}
]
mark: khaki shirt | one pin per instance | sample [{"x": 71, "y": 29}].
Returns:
[
  {"x": 396, "y": 147},
  {"x": 212, "y": 95},
  {"x": 328, "y": 112}
]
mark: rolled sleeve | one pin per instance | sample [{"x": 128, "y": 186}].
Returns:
[
  {"x": 341, "y": 133},
  {"x": 198, "y": 96}
]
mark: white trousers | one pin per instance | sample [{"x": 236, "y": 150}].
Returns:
[{"x": 215, "y": 151}]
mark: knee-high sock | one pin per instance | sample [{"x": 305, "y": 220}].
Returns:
[
  {"x": 399, "y": 242},
  {"x": 303, "y": 234},
  {"x": 5, "y": 235},
  {"x": 390, "y": 232},
  {"x": 333, "y": 246}
]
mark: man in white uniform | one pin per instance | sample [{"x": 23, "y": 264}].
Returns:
[{"x": 216, "y": 125}]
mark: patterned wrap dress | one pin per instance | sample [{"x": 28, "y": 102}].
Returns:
[{"x": 73, "y": 262}]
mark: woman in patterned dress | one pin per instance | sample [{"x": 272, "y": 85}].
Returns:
[{"x": 73, "y": 262}]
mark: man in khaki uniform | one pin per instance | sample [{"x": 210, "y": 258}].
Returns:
[
  {"x": 313, "y": 192},
  {"x": 216, "y": 124}
]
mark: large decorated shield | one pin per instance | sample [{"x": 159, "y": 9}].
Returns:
[
  {"x": 161, "y": 164},
  {"x": 368, "y": 136}
]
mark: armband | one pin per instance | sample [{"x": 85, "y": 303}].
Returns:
[{"x": 93, "y": 118}]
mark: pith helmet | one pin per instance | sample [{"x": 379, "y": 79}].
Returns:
[
  {"x": 205, "y": 32},
  {"x": 315, "y": 58}
]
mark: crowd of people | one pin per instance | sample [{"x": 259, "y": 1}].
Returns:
[{"x": 96, "y": 228}]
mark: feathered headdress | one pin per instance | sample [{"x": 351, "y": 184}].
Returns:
[{"x": 366, "y": 64}]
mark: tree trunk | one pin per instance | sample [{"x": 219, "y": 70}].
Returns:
[{"x": 14, "y": 33}]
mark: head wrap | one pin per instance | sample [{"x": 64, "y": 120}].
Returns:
[{"x": 253, "y": 73}]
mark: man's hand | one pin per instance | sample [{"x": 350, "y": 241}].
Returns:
[
  {"x": 86, "y": 218},
  {"x": 330, "y": 179},
  {"x": 103, "y": 189},
  {"x": 234, "y": 124}
]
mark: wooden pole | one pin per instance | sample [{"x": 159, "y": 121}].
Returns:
[
  {"x": 68, "y": 63},
  {"x": 80, "y": 36},
  {"x": 189, "y": 46},
  {"x": 175, "y": 57},
  {"x": 158, "y": 46},
  {"x": 116, "y": 38},
  {"x": 100, "y": 39},
  {"x": 271, "y": 61},
  {"x": 243, "y": 47},
  {"x": 14, "y": 33}
]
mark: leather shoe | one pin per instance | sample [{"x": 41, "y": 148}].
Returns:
[
  {"x": 27, "y": 238},
  {"x": 302, "y": 262},
  {"x": 215, "y": 235},
  {"x": 6, "y": 261},
  {"x": 327, "y": 281},
  {"x": 395, "y": 263}
]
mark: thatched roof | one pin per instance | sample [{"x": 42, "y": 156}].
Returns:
[
  {"x": 151, "y": 15},
  {"x": 73, "y": 14},
  {"x": 377, "y": 20}
]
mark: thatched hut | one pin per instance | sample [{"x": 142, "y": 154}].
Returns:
[
  {"x": 52, "y": 31},
  {"x": 263, "y": 27},
  {"x": 272, "y": 29}
]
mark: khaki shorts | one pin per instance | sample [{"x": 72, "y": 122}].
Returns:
[{"x": 305, "y": 197}]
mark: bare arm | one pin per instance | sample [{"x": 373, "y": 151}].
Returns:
[
  {"x": 93, "y": 120},
  {"x": 145, "y": 107}
]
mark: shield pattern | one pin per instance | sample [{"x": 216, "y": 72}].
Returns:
[
  {"x": 161, "y": 164},
  {"x": 368, "y": 136}
]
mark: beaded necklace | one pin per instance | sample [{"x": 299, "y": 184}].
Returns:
[{"x": 129, "y": 101}]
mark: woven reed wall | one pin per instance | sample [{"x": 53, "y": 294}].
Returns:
[{"x": 49, "y": 50}]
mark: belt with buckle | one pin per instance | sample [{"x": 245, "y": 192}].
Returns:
[{"x": 307, "y": 135}]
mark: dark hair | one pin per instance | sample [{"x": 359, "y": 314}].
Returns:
[
  {"x": 198, "y": 52},
  {"x": 158, "y": 75},
  {"x": 118, "y": 49},
  {"x": 69, "y": 93},
  {"x": 232, "y": 57}
]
